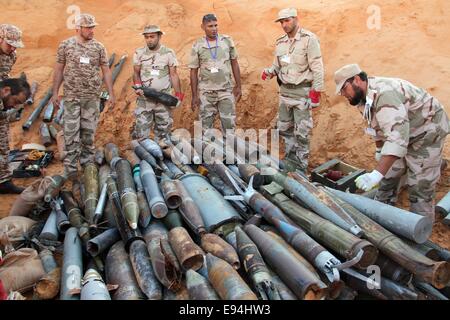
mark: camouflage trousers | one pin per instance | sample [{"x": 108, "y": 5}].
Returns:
[
  {"x": 295, "y": 124},
  {"x": 422, "y": 167},
  {"x": 5, "y": 172},
  {"x": 150, "y": 114},
  {"x": 80, "y": 119},
  {"x": 218, "y": 101}
]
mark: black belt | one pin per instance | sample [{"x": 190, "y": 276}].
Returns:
[{"x": 297, "y": 86}]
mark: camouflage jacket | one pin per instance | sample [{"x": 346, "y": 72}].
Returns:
[
  {"x": 82, "y": 67},
  {"x": 299, "y": 60},
  {"x": 6, "y": 63},
  {"x": 155, "y": 67},
  {"x": 215, "y": 74},
  {"x": 402, "y": 115}
]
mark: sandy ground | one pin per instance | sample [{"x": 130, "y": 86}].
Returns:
[{"x": 412, "y": 43}]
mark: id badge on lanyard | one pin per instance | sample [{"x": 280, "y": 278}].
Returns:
[{"x": 85, "y": 60}]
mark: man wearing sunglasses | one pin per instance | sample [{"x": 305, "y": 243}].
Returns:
[{"x": 409, "y": 127}]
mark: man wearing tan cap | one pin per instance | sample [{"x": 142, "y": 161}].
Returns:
[
  {"x": 10, "y": 40},
  {"x": 409, "y": 127},
  {"x": 155, "y": 66},
  {"x": 298, "y": 67},
  {"x": 78, "y": 63}
]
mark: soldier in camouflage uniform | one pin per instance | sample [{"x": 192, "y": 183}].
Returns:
[
  {"x": 298, "y": 67},
  {"x": 79, "y": 60},
  {"x": 409, "y": 127},
  {"x": 10, "y": 39},
  {"x": 13, "y": 92},
  {"x": 215, "y": 58},
  {"x": 155, "y": 66}
]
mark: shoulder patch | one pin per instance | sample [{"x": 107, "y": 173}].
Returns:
[{"x": 281, "y": 38}]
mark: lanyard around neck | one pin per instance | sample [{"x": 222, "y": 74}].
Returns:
[{"x": 213, "y": 55}]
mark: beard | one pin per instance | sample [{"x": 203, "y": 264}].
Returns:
[{"x": 359, "y": 97}]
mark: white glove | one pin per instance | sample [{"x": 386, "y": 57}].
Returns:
[
  {"x": 378, "y": 155},
  {"x": 368, "y": 181}
]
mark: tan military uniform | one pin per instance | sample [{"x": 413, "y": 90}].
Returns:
[
  {"x": 82, "y": 87},
  {"x": 154, "y": 74},
  {"x": 6, "y": 63},
  {"x": 299, "y": 68},
  {"x": 413, "y": 126},
  {"x": 215, "y": 80}
]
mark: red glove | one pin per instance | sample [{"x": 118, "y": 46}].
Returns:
[
  {"x": 3, "y": 293},
  {"x": 315, "y": 98},
  {"x": 179, "y": 95},
  {"x": 264, "y": 76}
]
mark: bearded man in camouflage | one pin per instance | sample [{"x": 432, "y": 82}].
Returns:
[
  {"x": 78, "y": 63},
  {"x": 213, "y": 59},
  {"x": 409, "y": 127},
  {"x": 155, "y": 66}
]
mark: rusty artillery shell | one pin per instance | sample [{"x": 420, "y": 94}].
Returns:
[
  {"x": 99, "y": 156},
  {"x": 164, "y": 261},
  {"x": 172, "y": 219},
  {"x": 72, "y": 209},
  {"x": 190, "y": 211},
  {"x": 392, "y": 270},
  {"x": 91, "y": 190},
  {"x": 155, "y": 199},
  {"x": 111, "y": 152},
  {"x": 45, "y": 135},
  {"x": 53, "y": 132},
  {"x": 226, "y": 281},
  {"x": 212, "y": 243},
  {"x": 145, "y": 276},
  {"x": 188, "y": 253},
  {"x": 170, "y": 192},
  {"x": 199, "y": 288},
  {"x": 144, "y": 154},
  {"x": 247, "y": 171},
  {"x": 48, "y": 286},
  {"x": 304, "y": 283},
  {"x": 436, "y": 273},
  {"x": 119, "y": 271},
  {"x": 102, "y": 242},
  {"x": 255, "y": 267},
  {"x": 284, "y": 291},
  {"x": 53, "y": 190}
]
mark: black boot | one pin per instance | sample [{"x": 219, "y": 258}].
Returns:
[{"x": 8, "y": 187}]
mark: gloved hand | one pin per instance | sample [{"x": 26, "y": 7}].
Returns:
[
  {"x": 266, "y": 75},
  {"x": 378, "y": 154},
  {"x": 368, "y": 181},
  {"x": 315, "y": 98}
]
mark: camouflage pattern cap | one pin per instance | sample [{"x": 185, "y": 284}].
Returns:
[
  {"x": 345, "y": 73},
  {"x": 286, "y": 13},
  {"x": 152, "y": 29},
  {"x": 85, "y": 20},
  {"x": 12, "y": 35}
]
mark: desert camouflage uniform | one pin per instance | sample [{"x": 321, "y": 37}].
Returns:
[
  {"x": 6, "y": 63},
  {"x": 154, "y": 74},
  {"x": 82, "y": 85},
  {"x": 215, "y": 88},
  {"x": 299, "y": 67},
  {"x": 413, "y": 126}
]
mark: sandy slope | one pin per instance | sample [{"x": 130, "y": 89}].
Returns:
[{"x": 412, "y": 44}]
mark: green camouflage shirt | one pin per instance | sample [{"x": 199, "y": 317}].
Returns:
[
  {"x": 401, "y": 114},
  {"x": 82, "y": 67},
  {"x": 155, "y": 67},
  {"x": 6, "y": 63},
  {"x": 299, "y": 60},
  {"x": 215, "y": 74}
]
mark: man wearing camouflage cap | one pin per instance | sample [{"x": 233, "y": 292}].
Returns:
[
  {"x": 10, "y": 39},
  {"x": 155, "y": 66},
  {"x": 409, "y": 127},
  {"x": 298, "y": 67},
  {"x": 213, "y": 59},
  {"x": 78, "y": 63}
]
